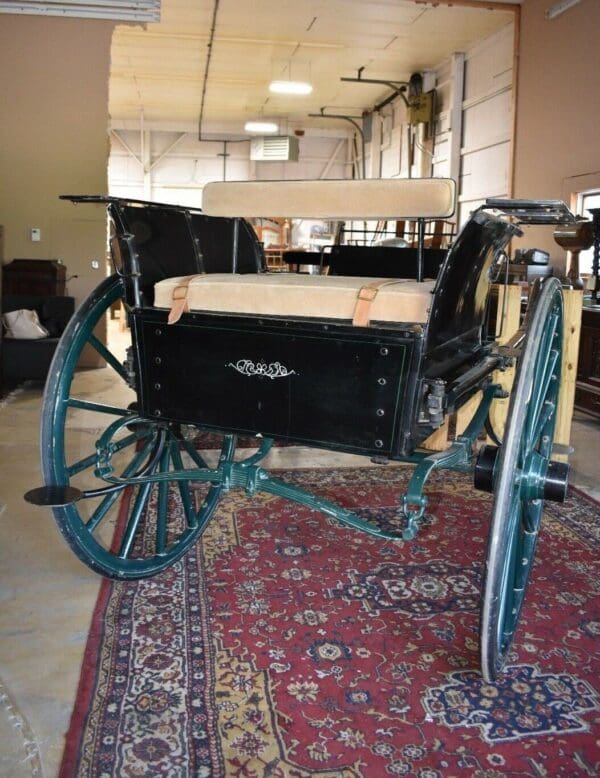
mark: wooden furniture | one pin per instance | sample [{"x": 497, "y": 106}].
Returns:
[
  {"x": 587, "y": 389},
  {"x": 45, "y": 277},
  {"x": 574, "y": 237}
]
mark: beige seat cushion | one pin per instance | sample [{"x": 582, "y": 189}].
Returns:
[
  {"x": 365, "y": 198},
  {"x": 283, "y": 294}
]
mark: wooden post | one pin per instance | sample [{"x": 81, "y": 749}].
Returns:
[
  {"x": 438, "y": 440},
  {"x": 573, "y": 303},
  {"x": 504, "y": 332}
]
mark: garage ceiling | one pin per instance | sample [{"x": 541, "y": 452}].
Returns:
[{"x": 173, "y": 71}]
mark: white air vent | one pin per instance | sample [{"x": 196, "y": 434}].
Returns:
[{"x": 274, "y": 148}]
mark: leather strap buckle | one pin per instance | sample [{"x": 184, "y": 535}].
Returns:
[
  {"x": 368, "y": 293},
  {"x": 179, "y": 298}
]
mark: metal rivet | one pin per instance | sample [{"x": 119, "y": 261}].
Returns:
[
  {"x": 381, "y": 381},
  {"x": 158, "y": 331},
  {"x": 380, "y": 412},
  {"x": 379, "y": 444},
  {"x": 384, "y": 351},
  {"x": 157, "y": 386},
  {"x": 157, "y": 360},
  {"x": 157, "y": 412}
]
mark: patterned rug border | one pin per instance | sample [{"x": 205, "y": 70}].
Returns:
[
  {"x": 86, "y": 686},
  {"x": 88, "y": 677}
]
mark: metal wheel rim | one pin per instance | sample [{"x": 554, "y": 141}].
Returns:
[
  {"x": 510, "y": 544},
  {"x": 54, "y": 461}
]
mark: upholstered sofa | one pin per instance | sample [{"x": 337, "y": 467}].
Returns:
[{"x": 24, "y": 359}]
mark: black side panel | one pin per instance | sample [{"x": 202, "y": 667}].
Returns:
[
  {"x": 461, "y": 293},
  {"x": 383, "y": 261},
  {"x": 171, "y": 241},
  {"x": 164, "y": 244},
  {"x": 323, "y": 385},
  {"x": 215, "y": 241}
]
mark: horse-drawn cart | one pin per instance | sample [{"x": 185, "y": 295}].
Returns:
[{"x": 371, "y": 365}]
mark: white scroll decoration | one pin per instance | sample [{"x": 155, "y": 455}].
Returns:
[{"x": 261, "y": 369}]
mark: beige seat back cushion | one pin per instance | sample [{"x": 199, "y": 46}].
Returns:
[
  {"x": 371, "y": 198},
  {"x": 291, "y": 295}
]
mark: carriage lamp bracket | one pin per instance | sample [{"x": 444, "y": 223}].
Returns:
[
  {"x": 134, "y": 275},
  {"x": 436, "y": 401}
]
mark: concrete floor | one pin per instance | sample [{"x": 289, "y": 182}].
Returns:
[{"x": 47, "y": 595}]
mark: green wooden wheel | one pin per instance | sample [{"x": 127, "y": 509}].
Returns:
[
  {"x": 521, "y": 477},
  {"x": 130, "y": 532}
]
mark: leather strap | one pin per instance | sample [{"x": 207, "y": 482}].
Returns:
[
  {"x": 366, "y": 295},
  {"x": 179, "y": 297}
]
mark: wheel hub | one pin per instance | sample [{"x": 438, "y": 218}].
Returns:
[{"x": 540, "y": 479}]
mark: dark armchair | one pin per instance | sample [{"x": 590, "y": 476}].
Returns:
[{"x": 24, "y": 359}]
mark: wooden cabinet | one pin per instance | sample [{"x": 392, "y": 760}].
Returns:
[
  {"x": 45, "y": 277},
  {"x": 587, "y": 389}
]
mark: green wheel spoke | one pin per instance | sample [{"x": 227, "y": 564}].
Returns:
[
  {"x": 184, "y": 489},
  {"x": 544, "y": 392},
  {"x": 163, "y": 506},
  {"x": 228, "y": 448},
  {"x": 87, "y": 405},
  {"x": 525, "y": 560},
  {"x": 133, "y": 522},
  {"x": 194, "y": 454},
  {"x": 547, "y": 413},
  {"x": 108, "y": 356}
]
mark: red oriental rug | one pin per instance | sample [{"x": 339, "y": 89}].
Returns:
[{"x": 286, "y": 646}]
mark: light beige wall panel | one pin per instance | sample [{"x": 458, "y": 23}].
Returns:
[
  {"x": 558, "y": 104},
  {"x": 488, "y": 122},
  {"x": 485, "y": 172},
  {"x": 488, "y": 65},
  {"x": 53, "y": 140}
]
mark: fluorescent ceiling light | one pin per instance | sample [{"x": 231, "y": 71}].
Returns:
[
  {"x": 290, "y": 87},
  {"x": 130, "y": 10},
  {"x": 560, "y": 8},
  {"x": 261, "y": 127}
]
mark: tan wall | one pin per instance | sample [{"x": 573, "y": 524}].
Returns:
[
  {"x": 53, "y": 140},
  {"x": 558, "y": 107}
]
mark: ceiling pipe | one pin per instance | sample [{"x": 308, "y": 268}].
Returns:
[
  {"x": 209, "y": 46},
  {"x": 352, "y": 121},
  {"x": 398, "y": 87}
]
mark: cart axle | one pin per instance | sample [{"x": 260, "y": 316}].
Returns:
[{"x": 541, "y": 479}]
